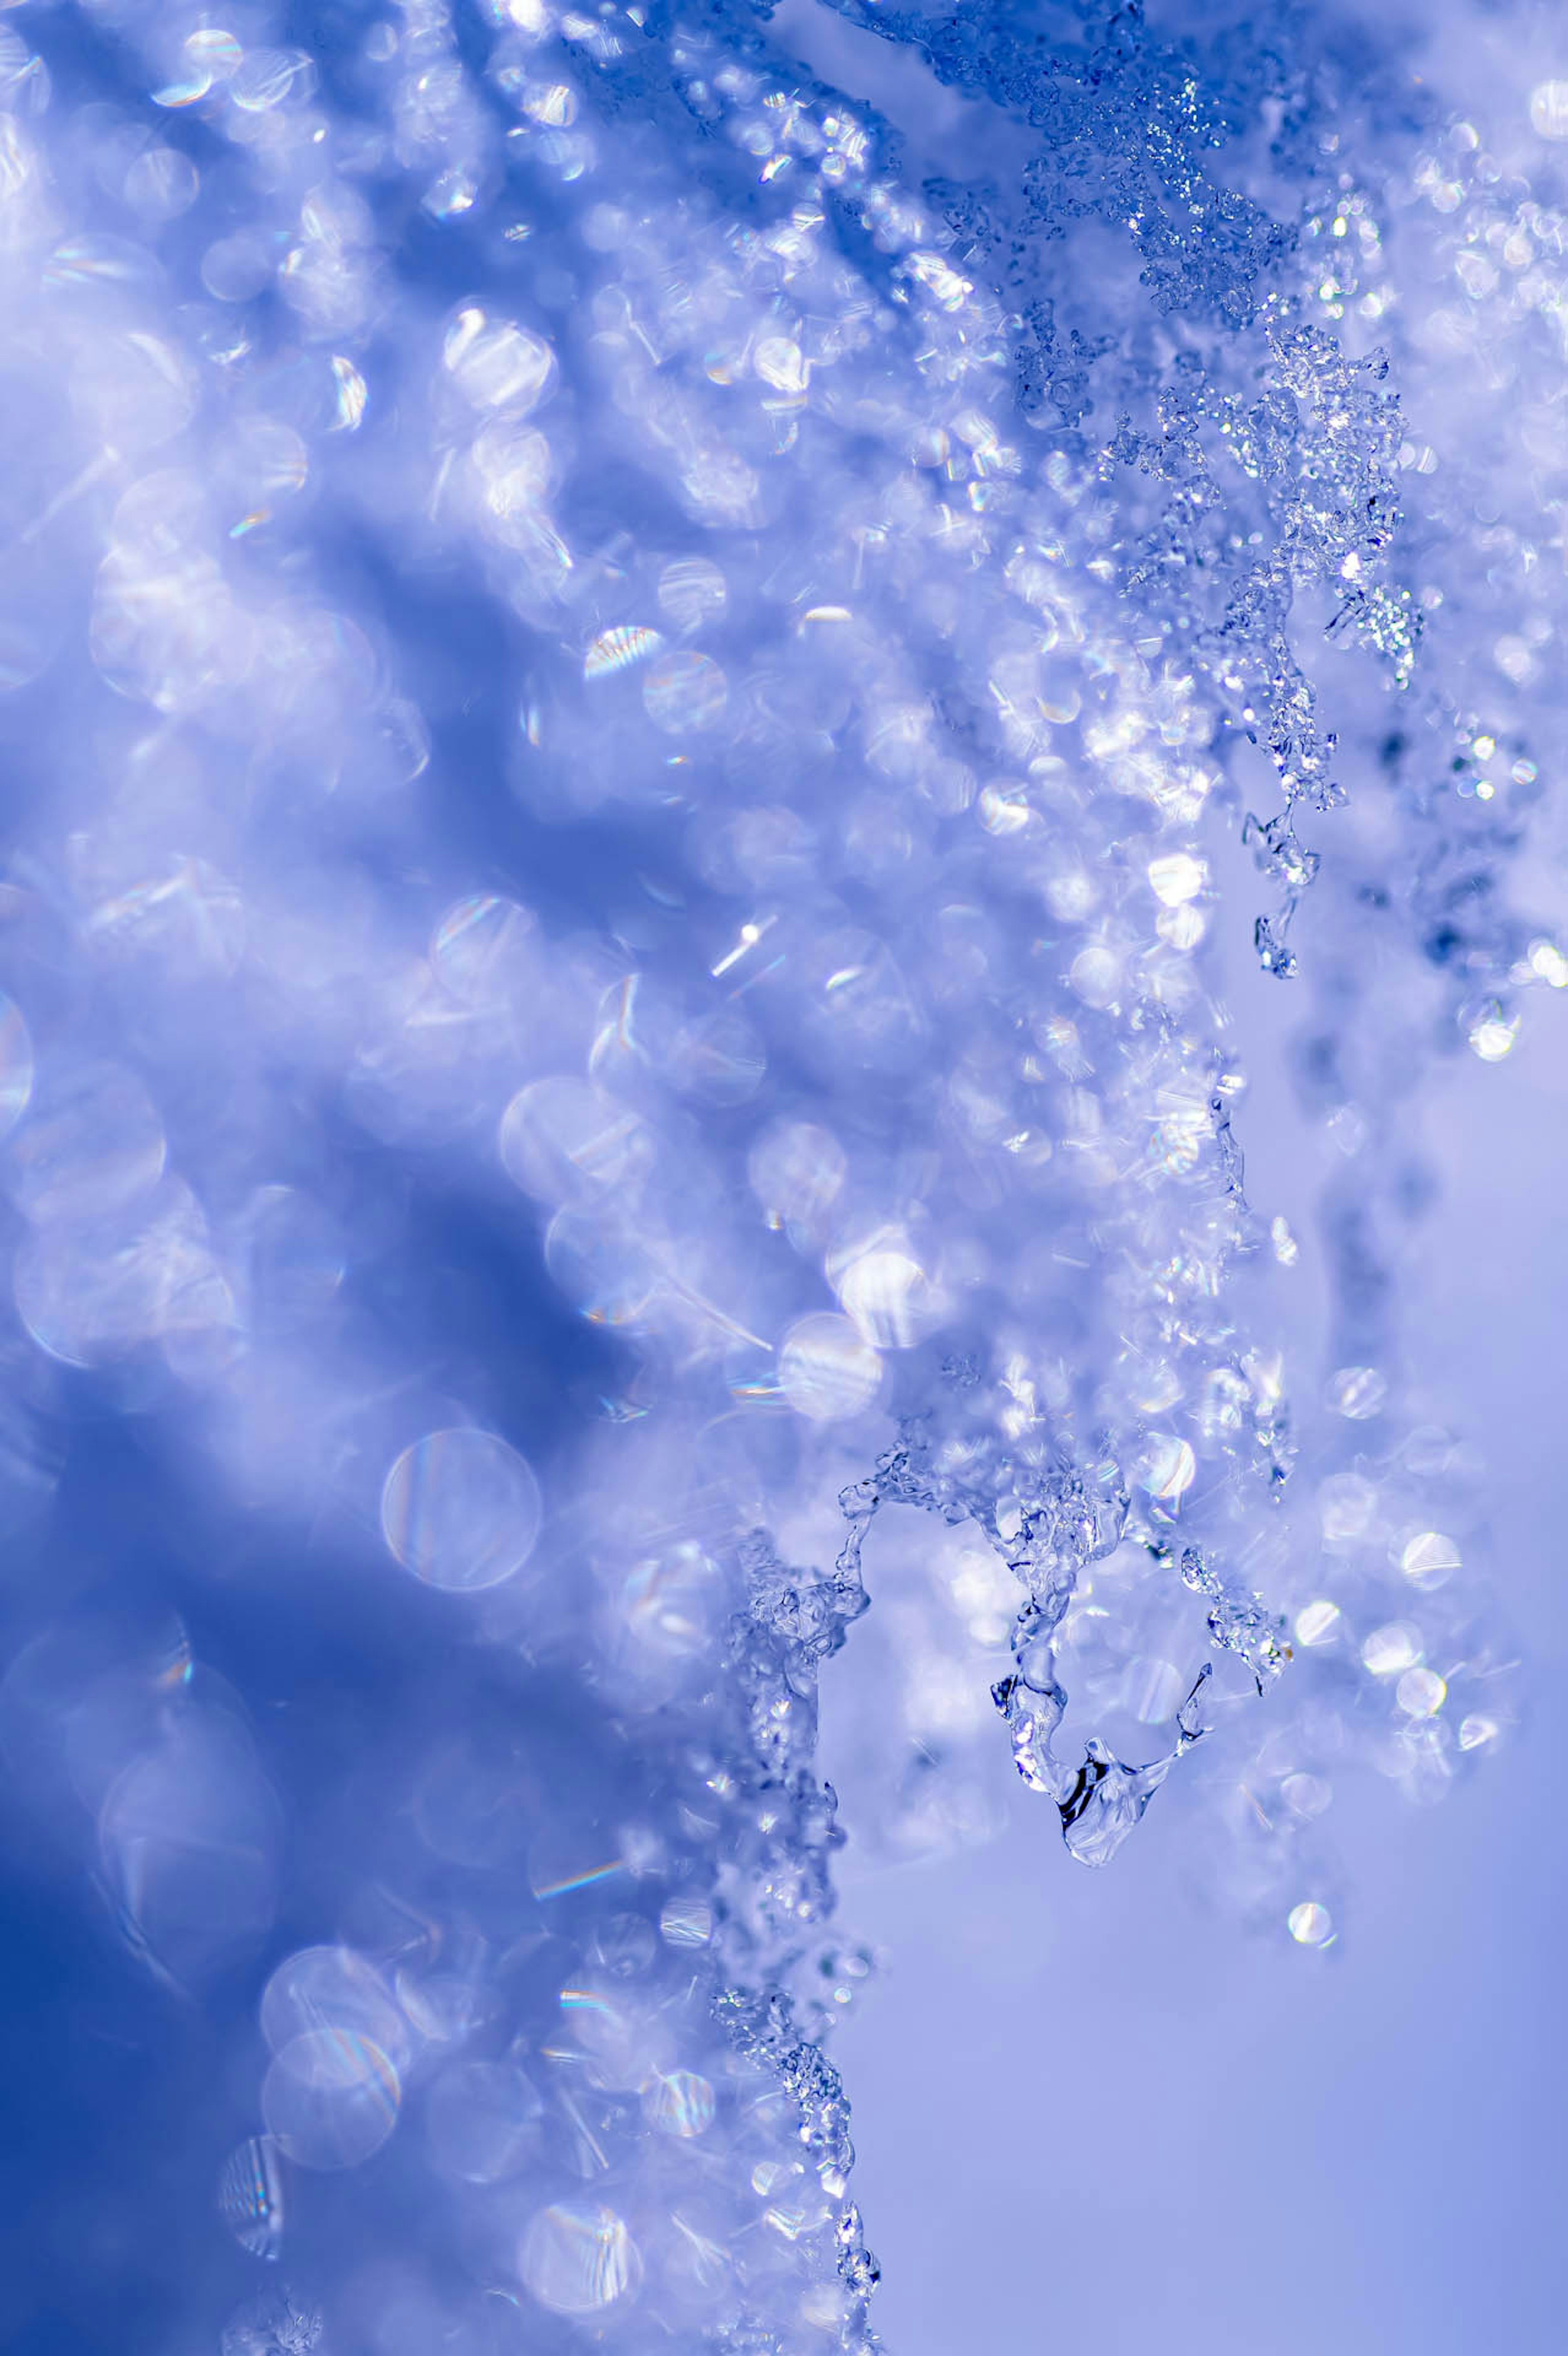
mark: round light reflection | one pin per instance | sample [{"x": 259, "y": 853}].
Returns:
[{"x": 460, "y": 1510}]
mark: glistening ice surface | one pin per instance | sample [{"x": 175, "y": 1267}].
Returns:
[{"x": 705, "y": 711}]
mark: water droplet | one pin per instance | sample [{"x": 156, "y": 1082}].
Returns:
[
  {"x": 349, "y": 395},
  {"x": 93, "y": 1148},
  {"x": 337, "y": 1988},
  {"x": 686, "y": 1921},
  {"x": 15, "y": 1066},
  {"x": 618, "y": 649},
  {"x": 269, "y": 78},
  {"x": 1177, "y": 878},
  {"x": 692, "y": 592},
  {"x": 680, "y": 2104},
  {"x": 484, "y": 2122},
  {"x": 827, "y": 1370},
  {"x": 1169, "y": 1469},
  {"x": 1357, "y": 1393},
  {"x": 889, "y": 1299},
  {"x": 498, "y": 366},
  {"x": 683, "y": 691},
  {"x": 1549, "y": 109},
  {"x": 1310, "y": 1925},
  {"x": 1389, "y": 1650},
  {"x": 460, "y": 1510},
  {"x": 1492, "y": 1033},
  {"x": 577, "y": 2258},
  {"x": 330, "y": 2098},
  {"x": 1318, "y": 1622},
  {"x": 562, "y": 1139},
  {"x": 1428, "y": 1557},
  {"x": 250, "y": 2197},
  {"x": 1420, "y": 1693}
]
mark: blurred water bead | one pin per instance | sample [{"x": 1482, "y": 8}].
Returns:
[
  {"x": 448, "y": 2008},
  {"x": 889, "y": 1299},
  {"x": 295, "y": 1258},
  {"x": 1095, "y": 975},
  {"x": 678, "y": 2104},
  {"x": 1358, "y": 1393},
  {"x": 484, "y": 950},
  {"x": 1492, "y": 1033},
  {"x": 1167, "y": 1468},
  {"x": 185, "y": 913},
  {"x": 1177, "y": 879},
  {"x": 1310, "y": 1925},
  {"x": 619, "y": 649},
  {"x": 1478, "y": 1732},
  {"x": 602, "y": 1266},
  {"x": 88, "y": 1294},
  {"x": 483, "y": 2120},
  {"x": 1307, "y": 1796},
  {"x": 460, "y": 1510},
  {"x": 666, "y": 1612},
  {"x": 1428, "y": 1557},
  {"x": 93, "y": 1146},
  {"x": 562, "y": 1139},
  {"x": 475, "y": 1806},
  {"x": 29, "y": 626},
  {"x": 31, "y": 1459},
  {"x": 686, "y": 1921},
  {"x": 190, "y": 1842},
  {"x": 450, "y": 194},
  {"x": 692, "y": 593},
  {"x": 330, "y": 2098},
  {"x": 685, "y": 691},
  {"x": 1420, "y": 1693},
  {"x": 1346, "y": 1505},
  {"x": 1317, "y": 1624},
  {"x": 858, "y": 1007},
  {"x": 829, "y": 1371},
  {"x": 235, "y": 269},
  {"x": 1392, "y": 1648},
  {"x": 15, "y": 1066},
  {"x": 250, "y": 2195},
  {"x": 517, "y": 468},
  {"x": 577, "y": 2258},
  {"x": 795, "y": 1171},
  {"x": 349, "y": 395},
  {"x": 209, "y": 56},
  {"x": 265, "y": 79},
  {"x": 496, "y": 364},
  {"x": 1549, "y": 109},
  {"x": 161, "y": 183},
  {"x": 335, "y": 1988},
  {"x": 717, "y": 1058}
]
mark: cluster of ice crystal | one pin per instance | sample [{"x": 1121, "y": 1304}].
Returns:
[{"x": 627, "y": 706}]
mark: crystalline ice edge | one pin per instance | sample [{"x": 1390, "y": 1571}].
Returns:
[{"x": 636, "y": 695}]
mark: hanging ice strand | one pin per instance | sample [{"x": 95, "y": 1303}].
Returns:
[{"x": 628, "y": 693}]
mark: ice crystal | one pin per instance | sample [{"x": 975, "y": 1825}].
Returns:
[{"x": 634, "y": 684}]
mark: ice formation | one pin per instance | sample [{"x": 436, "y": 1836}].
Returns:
[{"x": 638, "y": 698}]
